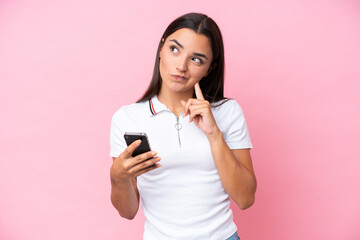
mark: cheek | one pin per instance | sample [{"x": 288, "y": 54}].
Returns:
[
  {"x": 162, "y": 67},
  {"x": 199, "y": 72},
  {"x": 166, "y": 63}
]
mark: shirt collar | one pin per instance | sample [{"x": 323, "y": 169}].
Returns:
[{"x": 155, "y": 106}]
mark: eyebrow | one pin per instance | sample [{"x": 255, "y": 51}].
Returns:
[{"x": 181, "y": 46}]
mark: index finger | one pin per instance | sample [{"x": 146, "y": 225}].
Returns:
[{"x": 198, "y": 92}]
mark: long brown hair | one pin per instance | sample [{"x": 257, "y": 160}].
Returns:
[{"x": 211, "y": 85}]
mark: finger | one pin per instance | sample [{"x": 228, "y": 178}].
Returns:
[
  {"x": 131, "y": 162},
  {"x": 147, "y": 170},
  {"x": 191, "y": 104},
  {"x": 201, "y": 109},
  {"x": 141, "y": 158},
  {"x": 198, "y": 111},
  {"x": 183, "y": 103},
  {"x": 198, "y": 92},
  {"x": 186, "y": 108},
  {"x": 131, "y": 148},
  {"x": 145, "y": 164}
]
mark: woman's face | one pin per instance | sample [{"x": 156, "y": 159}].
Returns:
[{"x": 185, "y": 58}]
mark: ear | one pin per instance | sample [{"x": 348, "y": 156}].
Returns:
[{"x": 212, "y": 66}]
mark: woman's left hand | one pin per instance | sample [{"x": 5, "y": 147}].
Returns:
[{"x": 199, "y": 111}]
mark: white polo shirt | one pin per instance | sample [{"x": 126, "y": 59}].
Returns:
[{"x": 183, "y": 199}]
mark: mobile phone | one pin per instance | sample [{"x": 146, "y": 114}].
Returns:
[{"x": 144, "y": 147}]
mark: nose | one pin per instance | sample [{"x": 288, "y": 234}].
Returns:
[{"x": 182, "y": 65}]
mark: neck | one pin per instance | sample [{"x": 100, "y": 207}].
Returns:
[{"x": 172, "y": 100}]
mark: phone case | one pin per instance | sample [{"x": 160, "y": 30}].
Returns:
[{"x": 130, "y": 137}]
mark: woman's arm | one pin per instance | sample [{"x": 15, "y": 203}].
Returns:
[
  {"x": 123, "y": 173},
  {"x": 235, "y": 170},
  {"x": 234, "y": 166},
  {"x": 125, "y": 197}
]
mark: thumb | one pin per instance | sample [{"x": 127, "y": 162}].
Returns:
[
  {"x": 183, "y": 103},
  {"x": 131, "y": 148}
]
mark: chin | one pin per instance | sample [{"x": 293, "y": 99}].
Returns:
[{"x": 179, "y": 88}]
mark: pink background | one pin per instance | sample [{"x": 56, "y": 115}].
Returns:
[{"x": 67, "y": 66}]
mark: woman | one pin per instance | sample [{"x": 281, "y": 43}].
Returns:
[{"x": 200, "y": 137}]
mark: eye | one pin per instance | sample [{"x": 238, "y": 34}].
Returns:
[
  {"x": 197, "y": 60},
  {"x": 174, "y": 49}
]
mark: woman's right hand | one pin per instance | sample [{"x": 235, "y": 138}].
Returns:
[{"x": 125, "y": 166}]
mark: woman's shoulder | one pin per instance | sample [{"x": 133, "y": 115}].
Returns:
[
  {"x": 226, "y": 105},
  {"x": 133, "y": 108}
]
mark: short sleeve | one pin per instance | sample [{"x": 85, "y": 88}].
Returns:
[
  {"x": 117, "y": 141},
  {"x": 237, "y": 133}
]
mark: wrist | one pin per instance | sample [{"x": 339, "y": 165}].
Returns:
[
  {"x": 215, "y": 135},
  {"x": 119, "y": 182},
  {"x": 115, "y": 179}
]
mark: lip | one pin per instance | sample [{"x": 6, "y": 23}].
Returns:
[{"x": 179, "y": 77}]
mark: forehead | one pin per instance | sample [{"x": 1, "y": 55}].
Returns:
[{"x": 191, "y": 40}]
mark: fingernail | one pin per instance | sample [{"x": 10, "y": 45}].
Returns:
[
  {"x": 154, "y": 153},
  {"x": 138, "y": 142},
  {"x": 158, "y": 158}
]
